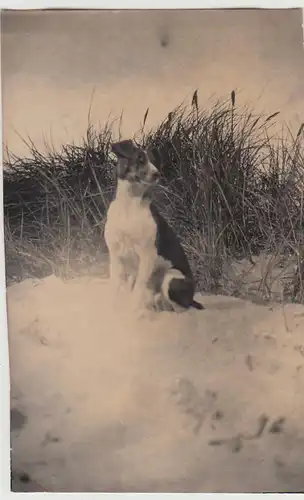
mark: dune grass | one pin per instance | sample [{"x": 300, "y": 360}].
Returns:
[{"x": 231, "y": 188}]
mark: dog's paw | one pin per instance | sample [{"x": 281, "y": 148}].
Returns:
[
  {"x": 142, "y": 300},
  {"x": 158, "y": 304},
  {"x": 130, "y": 282}
]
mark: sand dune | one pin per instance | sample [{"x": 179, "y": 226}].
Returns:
[{"x": 201, "y": 401}]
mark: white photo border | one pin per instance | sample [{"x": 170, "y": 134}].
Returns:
[{"x": 4, "y": 361}]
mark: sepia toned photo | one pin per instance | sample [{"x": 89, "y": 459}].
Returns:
[{"x": 153, "y": 187}]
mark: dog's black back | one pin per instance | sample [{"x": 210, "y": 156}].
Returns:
[
  {"x": 169, "y": 247},
  {"x": 168, "y": 244}
]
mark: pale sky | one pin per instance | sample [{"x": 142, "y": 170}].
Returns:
[{"x": 52, "y": 62}]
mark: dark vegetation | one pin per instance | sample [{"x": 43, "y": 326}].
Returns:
[{"x": 231, "y": 187}]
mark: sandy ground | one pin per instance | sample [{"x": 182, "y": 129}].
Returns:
[{"x": 201, "y": 401}]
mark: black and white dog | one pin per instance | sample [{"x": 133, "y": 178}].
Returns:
[{"x": 145, "y": 253}]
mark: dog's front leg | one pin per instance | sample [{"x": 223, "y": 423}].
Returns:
[
  {"x": 117, "y": 281},
  {"x": 142, "y": 293}
]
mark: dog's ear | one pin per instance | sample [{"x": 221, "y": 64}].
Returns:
[
  {"x": 124, "y": 149},
  {"x": 155, "y": 157}
]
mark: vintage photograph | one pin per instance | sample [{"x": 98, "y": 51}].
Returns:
[{"x": 153, "y": 185}]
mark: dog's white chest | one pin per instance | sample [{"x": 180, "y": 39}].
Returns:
[{"x": 130, "y": 227}]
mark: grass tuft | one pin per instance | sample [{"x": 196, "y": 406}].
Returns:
[{"x": 231, "y": 188}]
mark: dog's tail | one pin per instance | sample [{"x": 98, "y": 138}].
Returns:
[
  {"x": 179, "y": 289},
  {"x": 197, "y": 305}
]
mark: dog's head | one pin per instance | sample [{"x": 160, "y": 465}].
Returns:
[{"x": 136, "y": 165}]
